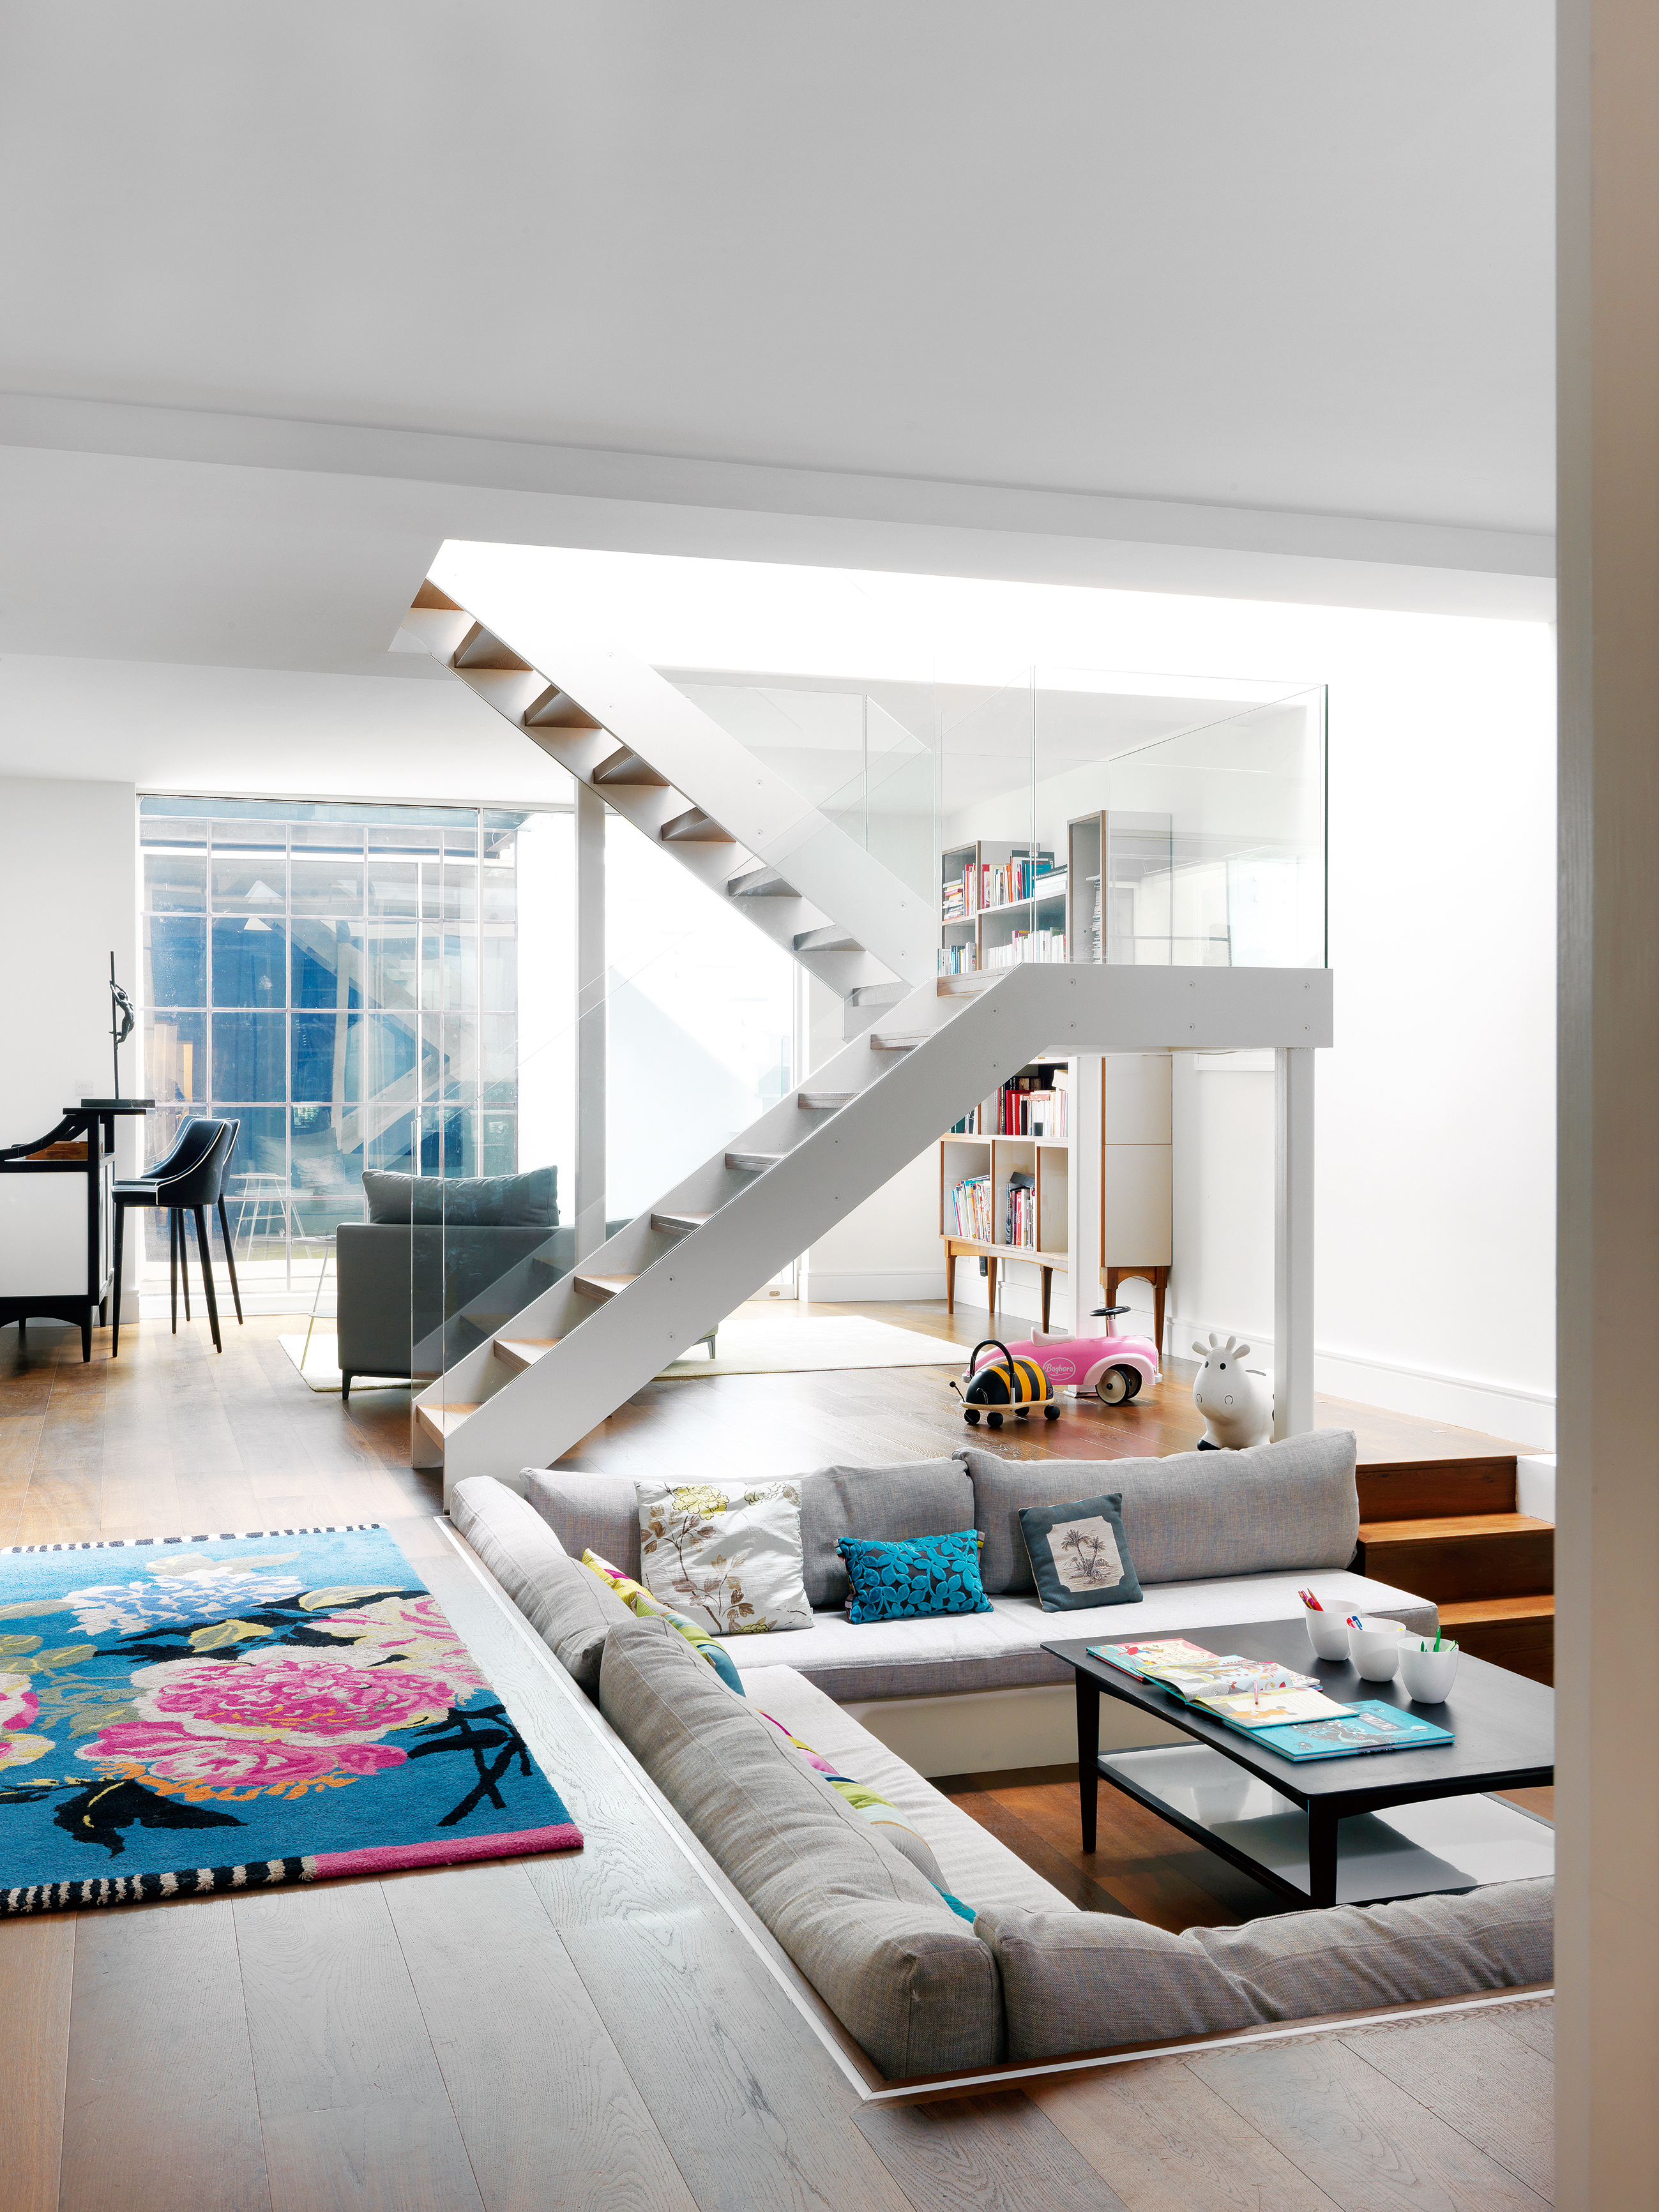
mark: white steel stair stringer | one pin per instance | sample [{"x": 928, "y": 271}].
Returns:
[{"x": 655, "y": 1290}]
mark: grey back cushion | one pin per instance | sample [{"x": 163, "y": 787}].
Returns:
[
  {"x": 907, "y": 1978},
  {"x": 566, "y": 1604},
  {"x": 515, "y": 1201},
  {"x": 926, "y": 1498},
  {"x": 1190, "y": 1517},
  {"x": 1088, "y": 1981},
  {"x": 589, "y": 1513}
]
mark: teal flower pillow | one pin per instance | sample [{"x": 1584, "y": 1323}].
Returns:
[{"x": 912, "y": 1579}]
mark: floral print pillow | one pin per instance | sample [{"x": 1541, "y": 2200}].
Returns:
[
  {"x": 730, "y": 1559},
  {"x": 914, "y": 1578}
]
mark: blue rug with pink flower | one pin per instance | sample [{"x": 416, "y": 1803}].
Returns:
[{"x": 207, "y": 1713}]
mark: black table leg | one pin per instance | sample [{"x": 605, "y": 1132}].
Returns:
[
  {"x": 231, "y": 1262},
  {"x": 1322, "y": 1855},
  {"x": 206, "y": 1259},
  {"x": 120, "y": 1227},
  {"x": 1088, "y": 1749},
  {"x": 173, "y": 1262}
]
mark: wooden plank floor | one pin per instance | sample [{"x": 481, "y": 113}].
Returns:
[{"x": 592, "y": 2029}]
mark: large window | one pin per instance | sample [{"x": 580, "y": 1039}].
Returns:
[{"x": 341, "y": 980}]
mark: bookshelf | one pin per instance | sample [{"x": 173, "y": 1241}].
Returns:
[
  {"x": 981, "y": 926},
  {"x": 997, "y": 1161}
]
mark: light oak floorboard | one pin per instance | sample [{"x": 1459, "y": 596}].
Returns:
[
  {"x": 1532, "y": 2025},
  {"x": 37, "y": 1969},
  {"x": 1366, "y": 2143},
  {"x": 1470, "y": 2073},
  {"x": 351, "y": 2098},
  {"x": 546, "y": 2106},
  {"x": 160, "y": 2110},
  {"x": 1000, "y": 2153},
  {"x": 1168, "y": 2143}
]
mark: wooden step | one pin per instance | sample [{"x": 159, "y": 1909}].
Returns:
[
  {"x": 482, "y": 648},
  {"x": 893, "y": 1042},
  {"x": 442, "y": 1421},
  {"x": 1473, "y": 1556},
  {"x": 555, "y": 709},
  {"x": 600, "y": 1286},
  {"x": 966, "y": 987},
  {"x": 759, "y": 883},
  {"x": 679, "y": 1225},
  {"x": 752, "y": 1162},
  {"x": 625, "y": 766},
  {"x": 519, "y": 1352},
  {"x": 1427, "y": 1489},
  {"x": 1517, "y": 1632},
  {"x": 825, "y": 1102},
  {"x": 435, "y": 601},
  {"x": 832, "y": 940},
  {"x": 694, "y": 827}
]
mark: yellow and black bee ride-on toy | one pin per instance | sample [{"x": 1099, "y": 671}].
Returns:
[{"x": 1019, "y": 1383}]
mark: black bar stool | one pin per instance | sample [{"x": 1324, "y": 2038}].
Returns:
[{"x": 189, "y": 1179}]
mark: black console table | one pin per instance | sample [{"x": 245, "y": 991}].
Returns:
[{"x": 57, "y": 1260}]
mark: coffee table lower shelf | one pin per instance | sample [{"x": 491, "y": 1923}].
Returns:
[{"x": 1415, "y": 1850}]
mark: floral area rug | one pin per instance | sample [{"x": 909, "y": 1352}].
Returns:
[{"x": 192, "y": 1714}]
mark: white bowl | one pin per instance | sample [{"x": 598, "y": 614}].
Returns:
[
  {"x": 1427, "y": 1676},
  {"x": 1328, "y": 1634},
  {"x": 1374, "y": 1647}
]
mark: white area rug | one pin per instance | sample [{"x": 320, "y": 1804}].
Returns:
[
  {"x": 319, "y": 1371},
  {"x": 792, "y": 1347}
]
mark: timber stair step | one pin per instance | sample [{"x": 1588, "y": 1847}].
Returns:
[
  {"x": 627, "y": 767},
  {"x": 521, "y": 1352},
  {"x": 600, "y": 1286},
  {"x": 1517, "y": 1632},
  {"x": 1428, "y": 1489},
  {"x": 555, "y": 709},
  {"x": 441, "y": 1422},
  {"x": 481, "y": 648},
  {"x": 893, "y": 1041},
  {"x": 1455, "y": 1557},
  {"x": 761, "y": 882},
  {"x": 825, "y": 1102},
  {"x": 753, "y": 1162},
  {"x": 679, "y": 1225},
  {"x": 832, "y": 939}
]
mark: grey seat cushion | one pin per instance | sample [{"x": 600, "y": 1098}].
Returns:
[
  {"x": 512, "y": 1201},
  {"x": 1084, "y": 1981},
  {"x": 1291, "y": 1505},
  {"x": 924, "y": 1498},
  {"x": 908, "y": 1979},
  {"x": 589, "y": 1513},
  {"x": 568, "y": 1607}
]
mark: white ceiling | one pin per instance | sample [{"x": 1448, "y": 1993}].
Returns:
[{"x": 1207, "y": 298}]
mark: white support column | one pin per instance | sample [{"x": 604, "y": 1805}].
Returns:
[
  {"x": 1085, "y": 1204},
  {"x": 1293, "y": 1240},
  {"x": 592, "y": 1012}
]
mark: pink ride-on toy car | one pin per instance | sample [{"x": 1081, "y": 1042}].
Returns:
[{"x": 1113, "y": 1367}]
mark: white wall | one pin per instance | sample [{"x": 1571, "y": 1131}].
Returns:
[{"x": 68, "y": 899}]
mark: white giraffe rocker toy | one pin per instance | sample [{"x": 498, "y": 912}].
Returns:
[{"x": 1235, "y": 1400}]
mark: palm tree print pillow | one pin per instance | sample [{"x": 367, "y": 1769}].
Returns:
[
  {"x": 729, "y": 1559},
  {"x": 1078, "y": 1555}
]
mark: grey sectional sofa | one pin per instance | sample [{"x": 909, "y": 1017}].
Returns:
[{"x": 923, "y": 1990}]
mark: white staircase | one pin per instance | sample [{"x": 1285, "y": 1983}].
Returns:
[
  {"x": 576, "y": 1352},
  {"x": 691, "y": 787}
]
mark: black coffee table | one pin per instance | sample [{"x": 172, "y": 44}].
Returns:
[{"x": 1504, "y": 1727}]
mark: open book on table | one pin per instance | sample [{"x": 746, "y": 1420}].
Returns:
[{"x": 1282, "y": 1711}]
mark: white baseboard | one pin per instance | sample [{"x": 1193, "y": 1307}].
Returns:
[
  {"x": 1521, "y": 1417},
  {"x": 875, "y": 1285}
]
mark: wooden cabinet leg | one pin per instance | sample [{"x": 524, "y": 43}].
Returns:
[
  {"x": 1048, "y": 1285},
  {"x": 991, "y": 1289},
  {"x": 1160, "y": 1287},
  {"x": 950, "y": 1278}
]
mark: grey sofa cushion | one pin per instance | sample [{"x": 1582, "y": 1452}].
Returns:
[
  {"x": 1085, "y": 1981},
  {"x": 926, "y": 1498},
  {"x": 1189, "y": 1517},
  {"x": 907, "y": 1977},
  {"x": 568, "y": 1607},
  {"x": 589, "y": 1513},
  {"x": 515, "y": 1201}
]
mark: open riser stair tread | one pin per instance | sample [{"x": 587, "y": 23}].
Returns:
[
  {"x": 679, "y": 1225},
  {"x": 521, "y": 1352}
]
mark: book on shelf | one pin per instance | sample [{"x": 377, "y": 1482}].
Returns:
[
  {"x": 958, "y": 960},
  {"x": 1275, "y": 1706},
  {"x": 971, "y": 1209},
  {"x": 1021, "y": 1223},
  {"x": 1046, "y": 946}
]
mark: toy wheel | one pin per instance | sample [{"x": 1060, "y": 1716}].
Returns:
[
  {"x": 1019, "y": 1412},
  {"x": 970, "y": 1415},
  {"x": 1112, "y": 1388},
  {"x": 1050, "y": 1412},
  {"x": 1136, "y": 1378},
  {"x": 993, "y": 1420}
]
